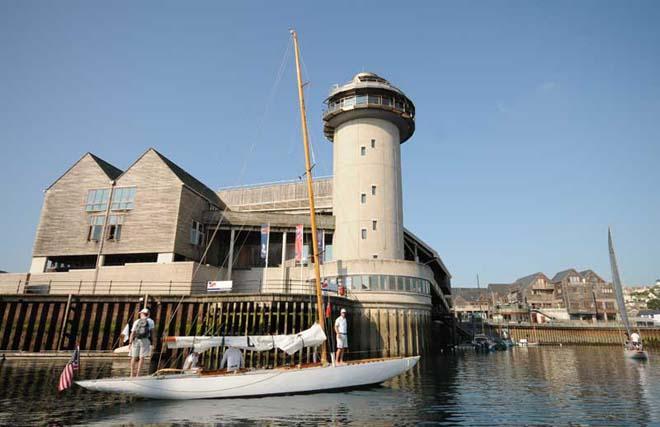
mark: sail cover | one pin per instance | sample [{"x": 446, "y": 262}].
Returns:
[
  {"x": 616, "y": 281},
  {"x": 290, "y": 344}
]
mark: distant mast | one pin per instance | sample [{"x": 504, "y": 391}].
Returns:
[
  {"x": 616, "y": 281},
  {"x": 310, "y": 195}
]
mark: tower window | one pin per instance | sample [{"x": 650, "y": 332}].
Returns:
[
  {"x": 373, "y": 190},
  {"x": 364, "y": 233},
  {"x": 373, "y": 143},
  {"x": 374, "y": 224},
  {"x": 363, "y": 198},
  {"x": 363, "y": 151}
]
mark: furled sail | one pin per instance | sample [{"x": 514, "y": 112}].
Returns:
[
  {"x": 616, "y": 281},
  {"x": 290, "y": 344}
]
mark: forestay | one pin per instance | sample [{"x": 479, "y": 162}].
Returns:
[{"x": 290, "y": 344}]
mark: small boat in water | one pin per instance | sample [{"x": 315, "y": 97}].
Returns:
[
  {"x": 633, "y": 349},
  {"x": 481, "y": 342}
]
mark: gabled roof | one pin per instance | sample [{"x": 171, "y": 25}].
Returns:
[
  {"x": 500, "y": 288},
  {"x": 524, "y": 282},
  {"x": 564, "y": 274},
  {"x": 468, "y": 294},
  {"x": 109, "y": 170},
  {"x": 188, "y": 180},
  {"x": 590, "y": 273}
]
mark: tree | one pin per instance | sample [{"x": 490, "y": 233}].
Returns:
[{"x": 653, "y": 304}]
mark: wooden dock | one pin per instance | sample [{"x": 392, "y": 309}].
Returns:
[
  {"x": 577, "y": 334},
  {"x": 55, "y": 323}
]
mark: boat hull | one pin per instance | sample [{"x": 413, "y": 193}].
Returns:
[{"x": 256, "y": 383}]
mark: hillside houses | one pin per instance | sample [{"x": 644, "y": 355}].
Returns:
[{"x": 570, "y": 295}]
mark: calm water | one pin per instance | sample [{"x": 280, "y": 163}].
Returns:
[{"x": 543, "y": 385}]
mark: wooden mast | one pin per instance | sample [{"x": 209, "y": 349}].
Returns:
[{"x": 310, "y": 194}]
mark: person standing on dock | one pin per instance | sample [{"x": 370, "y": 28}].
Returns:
[
  {"x": 341, "y": 329},
  {"x": 139, "y": 343}
]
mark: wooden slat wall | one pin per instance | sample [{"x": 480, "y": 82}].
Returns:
[{"x": 34, "y": 324}]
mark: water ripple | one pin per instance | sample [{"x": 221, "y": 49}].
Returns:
[{"x": 529, "y": 386}]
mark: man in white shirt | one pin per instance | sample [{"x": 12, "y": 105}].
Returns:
[
  {"x": 341, "y": 330},
  {"x": 634, "y": 338},
  {"x": 233, "y": 358},
  {"x": 139, "y": 343}
]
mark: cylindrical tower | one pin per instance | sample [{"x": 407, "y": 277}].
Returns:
[{"x": 367, "y": 119}]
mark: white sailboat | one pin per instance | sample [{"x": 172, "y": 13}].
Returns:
[
  {"x": 631, "y": 350},
  {"x": 322, "y": 376}
]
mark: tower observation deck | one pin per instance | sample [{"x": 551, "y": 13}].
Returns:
[{"x": 367, "y": 119}]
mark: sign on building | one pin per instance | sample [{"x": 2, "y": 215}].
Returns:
[{"x": 219, "y": 285}]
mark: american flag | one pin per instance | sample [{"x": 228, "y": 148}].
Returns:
[{"x": 66, "y": 378}]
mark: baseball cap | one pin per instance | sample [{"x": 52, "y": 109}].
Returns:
[
  {"x": 343, "y": 310},
  {"x": 145, "y": 311}
]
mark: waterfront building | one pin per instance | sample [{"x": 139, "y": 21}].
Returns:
[
  {"x": 470, "y": 303},
  {"x": 569, "y": 296},
  {"x": 155, "y": 229}
]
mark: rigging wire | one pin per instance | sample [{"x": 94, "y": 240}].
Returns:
[{"x": 258, "y": 131}]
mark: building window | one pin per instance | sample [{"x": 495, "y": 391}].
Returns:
[
  {"x": 364, "y": 233},
  {"x": 95, "y": 228},
  {"x": 97, "y": 200},
  {"x": 197, "y": 233},
  {"x": 373, "y": 190},
  {"x": 374, "y": 223},
  {"x": 113, "y": 230},
  {"x": 363, "y": 198},
  {"x": 373, "y": 143},
  {"x": 363, "y": 150},
  {"x": 123, "y": 198}
]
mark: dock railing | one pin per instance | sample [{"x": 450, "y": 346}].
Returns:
[{"x": 141, "y": 287}]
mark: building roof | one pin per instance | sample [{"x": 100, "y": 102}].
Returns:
[
  {"x": 586, "y": 274},
  {"x": 110, "y": 171},
  {"x": 524, "y": 282},
  {"x": 468, "y": 294},
  {"x": 500, "y": 288},
  {"x": 564, "y": 274},
  {"x": 188, "y": 180}
]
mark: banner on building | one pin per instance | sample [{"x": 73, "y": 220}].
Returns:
[
  {"x": 299, "y": 242},
  {"x": 320, "y": 242},
  {"x": 265, "y": 236}
]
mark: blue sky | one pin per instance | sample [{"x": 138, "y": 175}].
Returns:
[{"x": 538, "y": 123}]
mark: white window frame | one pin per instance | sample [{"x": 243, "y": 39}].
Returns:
[{"x": 363, "y": 234}]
